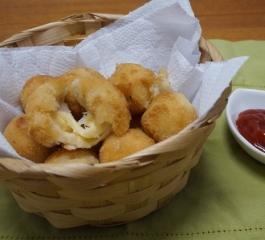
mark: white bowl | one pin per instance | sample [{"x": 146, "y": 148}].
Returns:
[{"x": 242, "y": 99}]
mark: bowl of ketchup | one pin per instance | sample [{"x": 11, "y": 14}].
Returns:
[{"x": 245, "y": 114}]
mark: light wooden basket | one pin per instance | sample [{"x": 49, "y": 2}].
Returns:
[{"x": 105, "y": 194}]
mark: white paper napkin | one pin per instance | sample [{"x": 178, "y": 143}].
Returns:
[{"x": 159, "y": 34}]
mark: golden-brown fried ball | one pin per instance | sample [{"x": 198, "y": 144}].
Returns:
[
  {"x": 139, "y": 85},
  {"x": 76, "y": 108},
  {"x": 29, "y": 87},
  {"x": 168, "y": 114},
  {"x": 51, "y": 122},
  {"x": 23, "y": 144},
  {"x": 115, "y": 148},
  {"x": 78, "y": 155}
]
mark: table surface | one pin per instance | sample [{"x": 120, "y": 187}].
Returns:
[{"x": 221, "y": 19}]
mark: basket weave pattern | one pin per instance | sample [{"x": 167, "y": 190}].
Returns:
[{"x": 112, "y": 193}]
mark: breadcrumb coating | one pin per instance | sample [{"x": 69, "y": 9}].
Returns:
[
  {"x": 139, "y": 85},
  {"x": 168, "y": 114},
  {"x": 115, "y": 148},
  {"x": 24, "y": 144},
  {"x": 73, "y": 156},
  {"x": 51, "y": 122}
]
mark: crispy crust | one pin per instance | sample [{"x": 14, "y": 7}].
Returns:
[
  {"x": 76, "y": 108},
  {"x": 30, "y": 86},
  {"x": 50, "y": 125},
  {"x": 24, "y": 144},
  {"x": 168, "y": 114},
  {"x": 115, "y": 148},
  {"x": 73, "y": 156},
  {"x": 139, "y": 85}
]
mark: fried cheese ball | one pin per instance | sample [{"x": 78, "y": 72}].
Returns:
[
  {"x": 29, "y": 87},
  {"x": 168, "y": 114},
  {"x": 51, "y": 122},
  {"x": 76, "y": 108},
  {"x": 24, "y": 144},
  {"x": 115, "y": 148},
  {"x": 139, "y": 85},
  {"x": 78, "y": 155}
]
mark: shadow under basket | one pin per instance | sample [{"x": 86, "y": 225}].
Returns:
[{"x": 71, "y": 195}]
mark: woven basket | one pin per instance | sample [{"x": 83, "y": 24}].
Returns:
[{"x": 105, "y": 194}]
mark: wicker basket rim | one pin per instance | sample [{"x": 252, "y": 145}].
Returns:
[{"x": 71, "y": 19}]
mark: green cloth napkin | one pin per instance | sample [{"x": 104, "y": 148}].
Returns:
[{"x": 224, "y": 197}]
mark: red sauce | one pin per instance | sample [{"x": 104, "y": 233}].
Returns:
[{"x": 251, "y": 125}]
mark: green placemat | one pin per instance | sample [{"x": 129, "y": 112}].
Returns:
[{"x": 224, "y": 197}]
